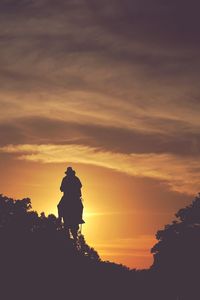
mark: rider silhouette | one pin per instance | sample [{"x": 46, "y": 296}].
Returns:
[{"x": 70, "y": 207}]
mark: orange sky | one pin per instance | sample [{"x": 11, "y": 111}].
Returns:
[
  {"x": 122, "y": 212},
  {"x": 112, "y": 89}
]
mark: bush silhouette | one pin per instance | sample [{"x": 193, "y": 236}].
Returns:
[
  {"x": 39, "y": 262},
  {"x": 177, "y": 253},
  {"x": 18, "y": 223},
  {"x": 35, "y": 253}
]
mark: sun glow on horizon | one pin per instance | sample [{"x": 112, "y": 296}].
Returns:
[{"x": 117, "y": 223}]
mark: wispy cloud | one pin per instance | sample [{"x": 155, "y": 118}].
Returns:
[
  {"x": 106, "y": 83},
  {"x": 142, "y": 241},
  {"x": 127, "y": 247},
  {"x": 114, "y": 63},
  {"x": 181, "y": 173}
]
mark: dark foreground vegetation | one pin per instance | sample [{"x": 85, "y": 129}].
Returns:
[{"x": 38, "y": 262}]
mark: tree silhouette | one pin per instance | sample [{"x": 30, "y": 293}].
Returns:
[
  {"x": 36, "y": 256},
  {"x": 36, "y": 252},
  {"x": 18, "y": 222},
  {"x": 177, "y": 253}
]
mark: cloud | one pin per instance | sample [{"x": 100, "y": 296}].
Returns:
[
  {"x": 161, "y": 137},
  {"x": 119, "y": 78},
  {"x": 121, "y": 64},
  {"x": 129, "y": 247},
  {"x": 106, "y": 83},
  {"x": 116, "y": 47},
  {"x": 182, "y": 174},
  {"x": 141, "y": 241}
]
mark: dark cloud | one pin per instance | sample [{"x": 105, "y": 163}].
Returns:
[
  {"x": 84, "y": 25},
  {"x": 141, "y": 53},
  {"x": 120, "y": 75},
  {"x": 50, "y": 131},
  {"x": 176, "y": 22}
]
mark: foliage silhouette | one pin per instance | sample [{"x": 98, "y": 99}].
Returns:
[
  {"x": 19, "y": 221},
  {"x": 177, "y": 253},
  {"x": 36, "y": 255},
  {"x": 39, "y": 262}
]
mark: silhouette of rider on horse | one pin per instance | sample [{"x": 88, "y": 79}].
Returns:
[{"x": 70, "y": 207}]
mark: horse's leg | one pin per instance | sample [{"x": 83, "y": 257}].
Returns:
[
  {"x": 67, "y": 228},
  {"x": 74, "y": 231}
]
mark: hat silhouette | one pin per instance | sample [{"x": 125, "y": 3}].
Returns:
[{"x": 69, "y": 170}]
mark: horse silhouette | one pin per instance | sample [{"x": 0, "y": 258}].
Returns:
[{"x": 70, "y": 207}]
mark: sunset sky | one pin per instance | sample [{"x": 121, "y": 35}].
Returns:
[{"x": 110, "y": 88}]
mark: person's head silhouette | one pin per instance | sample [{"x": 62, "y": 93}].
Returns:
[{"x": 70, "y": 171}]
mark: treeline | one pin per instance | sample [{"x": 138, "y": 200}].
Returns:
[
  {"x": 38, "y": 261},
  {"x": 177, "y": 253}
]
